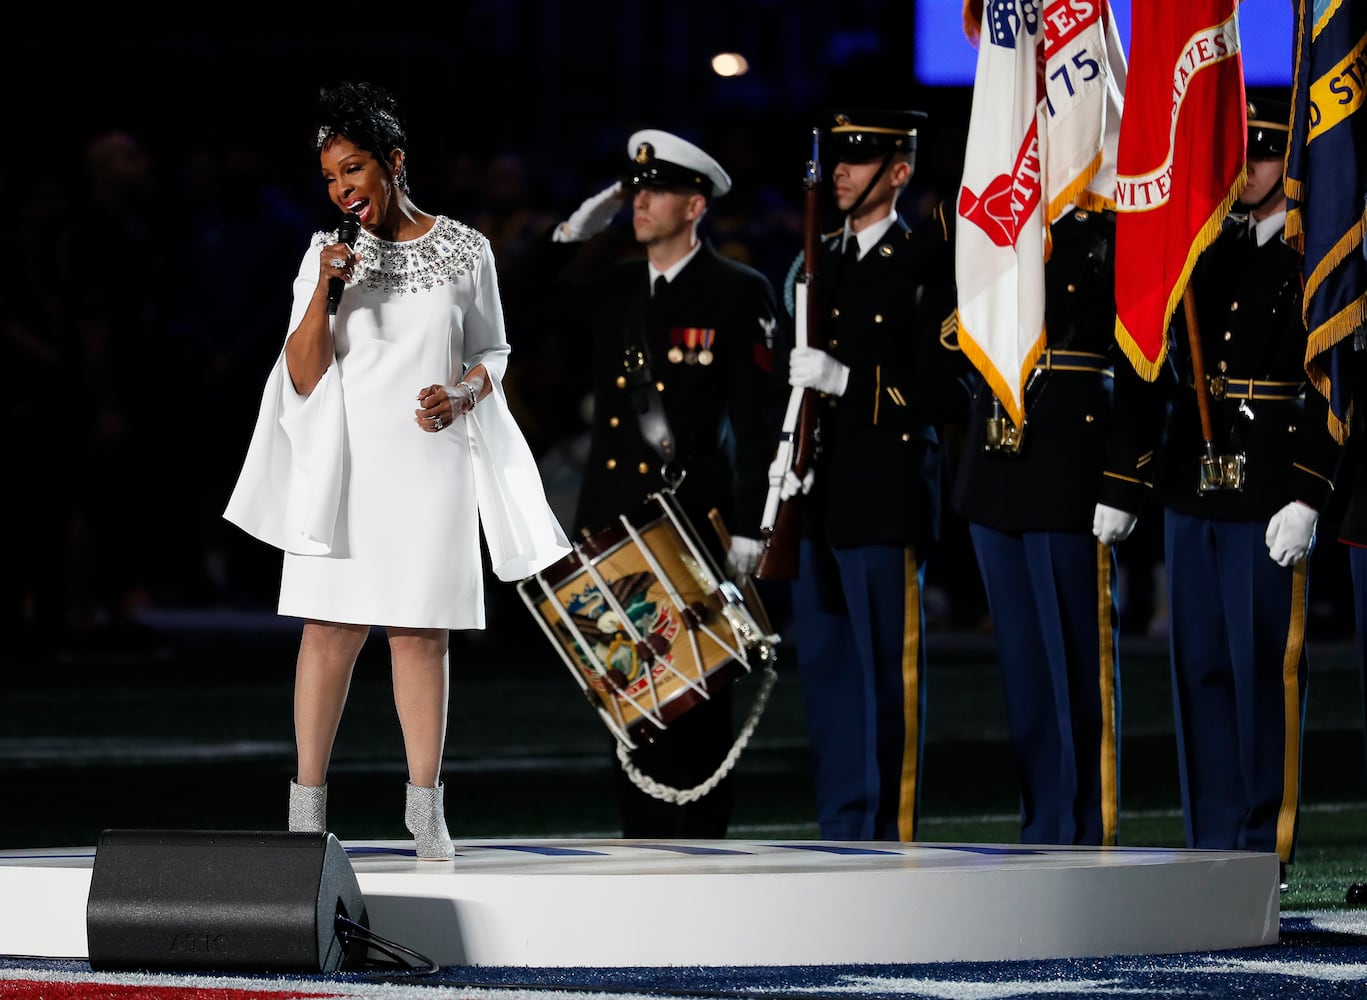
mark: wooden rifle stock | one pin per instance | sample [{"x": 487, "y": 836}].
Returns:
[{"x": 779, "y": 560}]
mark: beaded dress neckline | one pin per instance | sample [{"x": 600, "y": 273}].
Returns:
[{"x": 447, "y": 251}]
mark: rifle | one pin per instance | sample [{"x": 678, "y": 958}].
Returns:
[{"x": 781, "y": 523}]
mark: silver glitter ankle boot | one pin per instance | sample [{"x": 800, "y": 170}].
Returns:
[
  {"x": 425, "y": 816},
  {"x": 308, "y": 808}
]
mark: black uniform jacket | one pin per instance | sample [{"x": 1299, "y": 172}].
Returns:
[
  {"x": 1352, "y": 479},
  {"x": 890, "y": 318},
  {"x": 708, "y": 341},
  {"x": 1091, "y": 421},
  {"x": 1248, "y": 307}
]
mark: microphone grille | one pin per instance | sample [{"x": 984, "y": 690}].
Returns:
[{"x": 349, "y": 229}]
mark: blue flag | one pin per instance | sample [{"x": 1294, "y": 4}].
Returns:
[{"x": 1326, "y": 187}]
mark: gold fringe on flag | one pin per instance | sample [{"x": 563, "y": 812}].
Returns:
[
  {"x": 1147, "y": 369},
  {"x": 995, "y": 380}
]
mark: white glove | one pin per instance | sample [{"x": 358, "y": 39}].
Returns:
[
  {"x": 792, "y": 486},
  {"x": 590, "y": 218},
  {"x": 743, "y": 557},
  {"x": 809, "y": 368},
  {"x": 1291, "y": 533},
  {"x": 1111, "y": 524}
]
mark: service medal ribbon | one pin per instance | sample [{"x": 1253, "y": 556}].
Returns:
[{"x": 705, "y": 339}]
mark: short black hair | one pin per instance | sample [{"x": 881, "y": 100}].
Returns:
[{"x": 366, "y": 114}]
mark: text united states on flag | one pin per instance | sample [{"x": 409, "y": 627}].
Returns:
[{"x": 1181, "y": 161}]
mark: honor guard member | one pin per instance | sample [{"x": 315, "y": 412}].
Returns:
[
  {"x": 888, "y": 373},
  {"x": 682, "y": 345},
  {"x": 1045, "y": 504},
  {"x": 1240, "y": 517},
  {"x": 1353, "y": 528}
]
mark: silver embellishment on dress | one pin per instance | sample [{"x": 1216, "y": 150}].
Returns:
[{"x": 447, "y": 251}]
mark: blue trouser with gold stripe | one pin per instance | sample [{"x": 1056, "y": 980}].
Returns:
[
  {"x": 1239, "y": 672},
  {"x": 858, "y": 620},
  {"x": 1357, "y": 566},
  {"x": 1052, "y": 598}
]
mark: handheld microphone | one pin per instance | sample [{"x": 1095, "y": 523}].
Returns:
[{"x": 347, "y": 231}]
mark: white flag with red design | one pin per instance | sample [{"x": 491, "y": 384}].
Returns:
[{"x": 1042, "y": 136}]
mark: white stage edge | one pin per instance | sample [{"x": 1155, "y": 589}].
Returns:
[{"x": 625, "y": 903}]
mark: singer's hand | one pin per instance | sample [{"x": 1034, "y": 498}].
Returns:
[
  {"x": 327, "y": 269},
  {"x": 439, "y": 405}
]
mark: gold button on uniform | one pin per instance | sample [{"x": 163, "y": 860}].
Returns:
[
  {"x": 660, "y": 386},
  {"x": 1228, "y": 335},
  {"x": 833, "y": 343},
  {"x": 1223, "y": 366},
  {"x": 613, "y": 421},
  {"x": 1234, "y": 307},
  {"x": 906, "y": 437},
  {"x": 878, "y": 317},
  {"x": 835, "y": 313},
  {"x": 1089, "y": 418},
  {"x": 612, "y": 463},
  {"x": 621, "y": 381},
  {"x": 643, "y": 468},
  {"x": 1072, "y": 287}
]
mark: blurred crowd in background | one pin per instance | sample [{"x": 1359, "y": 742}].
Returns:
[
  {"x": 145, "y": 301},
  {"x": 152, "y": 243}
]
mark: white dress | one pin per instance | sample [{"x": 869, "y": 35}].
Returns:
[{"x": 379, "y": 519}]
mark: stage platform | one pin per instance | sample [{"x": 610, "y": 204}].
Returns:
[{"x": 626, "y": 903}]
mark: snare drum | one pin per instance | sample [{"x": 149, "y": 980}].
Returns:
[{"x": 644, "y": 621}]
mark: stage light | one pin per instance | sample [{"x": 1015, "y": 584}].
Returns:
[{"x": 729, "y": 64}]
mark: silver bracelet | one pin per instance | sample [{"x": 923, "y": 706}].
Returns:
[{"x": 474, "y": 397}]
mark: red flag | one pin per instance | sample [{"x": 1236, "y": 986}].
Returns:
[{"x": 1181, "y": 161}]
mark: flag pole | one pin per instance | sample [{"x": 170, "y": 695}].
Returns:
[{"x": 1211, "y": 468}]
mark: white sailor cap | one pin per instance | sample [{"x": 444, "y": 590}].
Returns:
[{"x": 663, "y": 160}]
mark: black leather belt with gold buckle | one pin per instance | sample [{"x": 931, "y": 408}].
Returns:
[
  {"x": 1222, "y": 387},
  {"x": 1073, "y": 361}
]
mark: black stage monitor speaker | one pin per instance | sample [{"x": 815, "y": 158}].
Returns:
[{"x": 217, "y": 901}]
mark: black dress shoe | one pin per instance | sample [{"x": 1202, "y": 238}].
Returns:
[
  {"x": 1357, "y": 893},
  {"x": 1285, "y": 883}
]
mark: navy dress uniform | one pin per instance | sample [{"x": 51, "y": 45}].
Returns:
[
  {"x": 1238, "y": 614},
  {"x": 1030, "y": 498},
  {"x": 706, "y": 338},
  {"x": 873, "y": 509},
  {"x": 708, "y": 335}
]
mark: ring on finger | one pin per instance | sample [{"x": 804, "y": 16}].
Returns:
[
  {"x": 338, "y": 262},
  {"x": 436, "y": 421}
]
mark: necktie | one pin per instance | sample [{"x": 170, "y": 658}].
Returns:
[
  {"x": 851, "y": 251},
  {"x": 660, "y": 282}
]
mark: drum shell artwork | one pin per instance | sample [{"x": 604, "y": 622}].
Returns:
[{"x": 679, "y": 671}]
